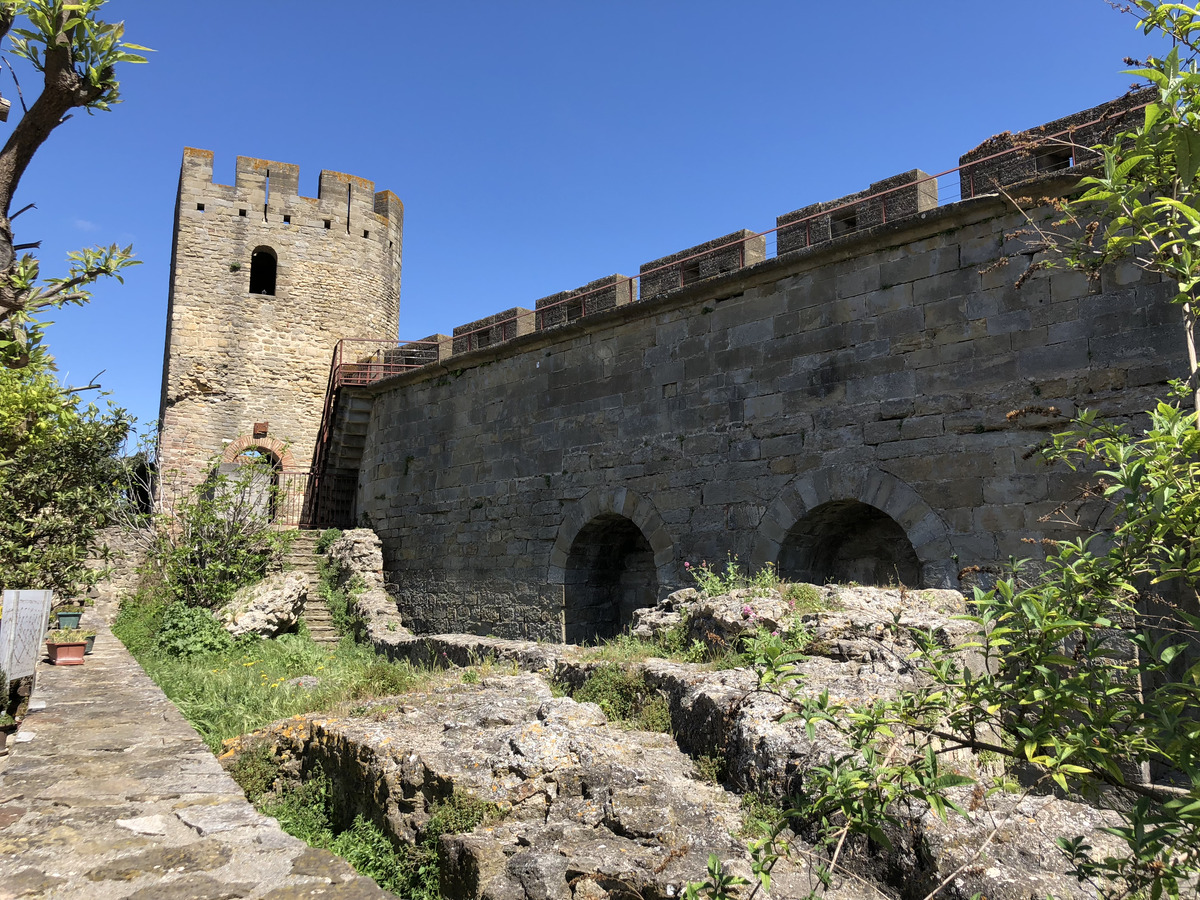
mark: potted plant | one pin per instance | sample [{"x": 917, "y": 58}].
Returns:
[
  {"x": 89, "y": 637},
  {"x": 65, "y": 646},
  {"x": 7, "y": 726},
  {"x": 68, "y": 616}
]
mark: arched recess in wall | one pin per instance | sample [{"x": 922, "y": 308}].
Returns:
[
  {"x": 264, "y": 263},
  {"x": 613, "y": 555},
  {"x": 855, "y": 525}
]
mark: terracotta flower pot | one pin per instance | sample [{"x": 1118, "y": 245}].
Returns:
[{"x": 66, "y": 654}]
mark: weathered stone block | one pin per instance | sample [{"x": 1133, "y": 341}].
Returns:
[
  {"x": 884, "y": 201},
  {"x": 595, "y": 296},
  {"x": 495, "y": 329},
  {"x": 715, "y": 257},
  {"x": 1006, "y": 159}
]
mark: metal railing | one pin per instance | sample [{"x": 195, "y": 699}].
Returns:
[
  {"x": 355, "y": 363},
  {"x": 364, "y": 361}
]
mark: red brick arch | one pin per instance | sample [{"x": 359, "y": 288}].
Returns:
[{"x": 277, "y": 448}]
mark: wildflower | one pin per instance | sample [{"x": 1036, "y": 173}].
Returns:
[
  {"x": 687, "y": 565},
  {"x": 747, "y": 612}
]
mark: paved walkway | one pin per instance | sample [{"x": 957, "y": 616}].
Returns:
[{"x": 109, "y": 793}]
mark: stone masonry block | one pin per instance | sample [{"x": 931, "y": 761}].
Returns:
[
  {"x": 432, "y": 349},
  {"x": 595, "y": 296},
  {"x": 1006, "y": 159},
  {"x": 716, "y": 257},
  {"x": 503, "y": 326},
  {"x": 884, "y": 201}
]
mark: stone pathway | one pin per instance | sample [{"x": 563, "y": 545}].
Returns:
[{"x": 109, "y": 793}]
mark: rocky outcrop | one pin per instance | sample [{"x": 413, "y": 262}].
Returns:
[
  {"x": 357, "y": 559},
  {"x": 585, "y": 807},
  {"x": 270, "y": 607},
  {"x": 593, "y": 811}
]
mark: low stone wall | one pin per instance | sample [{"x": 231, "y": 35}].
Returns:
[{"x": 126, "y": 556}]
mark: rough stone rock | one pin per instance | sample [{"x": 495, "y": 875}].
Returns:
[
  {"x": 582, "y": 798},
  {"x": 849, "y": 624},
  {"x": 215, "y": 818},
  {"x": 358, "y": 554},
  {"x": 268, "y": 608},
  {"x": 145, "y": 824},
  {"x": 666, "y": 614},
  {"x": 357, "y": 558}
]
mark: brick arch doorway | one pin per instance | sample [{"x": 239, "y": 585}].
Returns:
[
  {"x": 613, "y": 555},
  {"x": 270, "y": 493}
]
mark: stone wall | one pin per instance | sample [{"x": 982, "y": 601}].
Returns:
[
  {"x": 126, "y": 554},
  {"x": 235, "y": 358},
  {"x": 873, "y": 371}
]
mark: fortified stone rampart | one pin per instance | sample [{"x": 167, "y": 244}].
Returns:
[
  {"x": 839, "y": 410},
  {"x": 263, "y": 284}
]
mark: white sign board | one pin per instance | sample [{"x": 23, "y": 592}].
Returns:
[{"x": 22, "y": 629}]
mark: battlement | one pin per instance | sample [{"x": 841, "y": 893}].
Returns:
[
  {"x": 271, "y": 189},
  {"x": 998, "y": 163}
]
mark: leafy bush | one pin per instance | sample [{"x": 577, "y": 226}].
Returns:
[
  {"x": 255, "y": 769},
  {"x": 305, "y": 811},
  {"x": 187, "y": 631},
  {"x": 327, "y": 539},
  {"x": 221, "y": 537},
  {"x": 58, "y": 465},
  {"x": 625, "y": 697}
]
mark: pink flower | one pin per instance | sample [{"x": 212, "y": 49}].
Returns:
[
  {"x": 747, "y": 612},
  {"x": 687, "y": 565}
]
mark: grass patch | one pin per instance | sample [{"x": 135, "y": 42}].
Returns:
[
  {"x": 626, "y": 698},
  {"x": 228, "y": 692}
]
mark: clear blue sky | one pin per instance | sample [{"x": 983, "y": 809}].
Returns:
[{"x": 538, "y": 145}]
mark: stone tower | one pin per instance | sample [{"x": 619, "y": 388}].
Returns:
[{"x": 264, "y": 282}]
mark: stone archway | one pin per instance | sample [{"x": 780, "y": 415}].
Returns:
[
  {"x": 842, "y": 499},
  {"x": 613, "y": 555},
  {"x": 276, "y": 448},
  {"x": 847, "y": 541},
  {"x": 610, "y": 573}
]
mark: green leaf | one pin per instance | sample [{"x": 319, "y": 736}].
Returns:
[{"x": 1187, "y": 154}]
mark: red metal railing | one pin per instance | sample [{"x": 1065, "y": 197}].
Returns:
[
  {"x": 396, "y": 357},
  {"x": 364, "y": 361}
]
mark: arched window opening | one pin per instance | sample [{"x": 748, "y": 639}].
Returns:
[
  {"x": 610, "y": 573},
  {"x": 263, "y": 264},
  {"x": 849, "y": 541}
]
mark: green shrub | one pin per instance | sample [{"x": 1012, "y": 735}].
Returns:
[
  {"x": 805, "y": 598},
  {"x": 188, "y": 631},
  {"x": 222, "y": 538},
  {"x": 326, "y": 540},
  {"x": 305, "y": 811},
  {"x": 255, "y": 769},
  {"x": 625, "y": 697},
  {"x": 713, "y": 583}
]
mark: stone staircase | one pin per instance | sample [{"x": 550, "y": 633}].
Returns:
[{"x": 302, "y": 558}]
